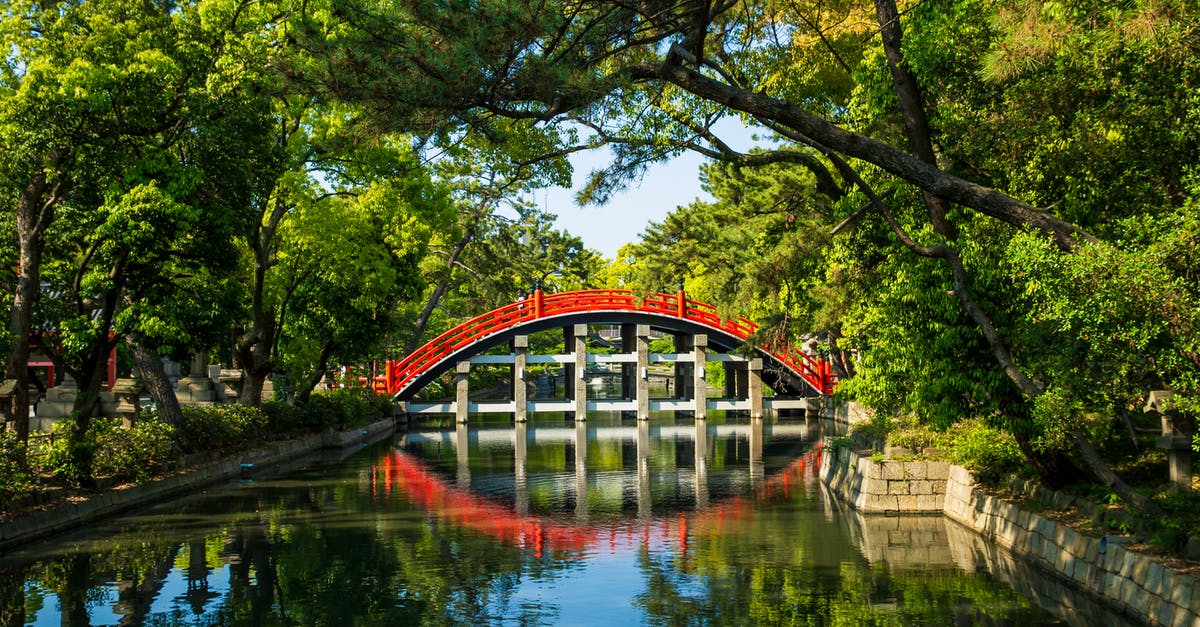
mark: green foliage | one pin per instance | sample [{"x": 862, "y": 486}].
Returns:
[
  {"x": 874, "y": 431},
  {"x": 16, "y": 480},
  {"x": 134, "y": 454},
  {"x": 348, "y": 407},
  {"x": 224, "y": 427},
  {"x": 991, "y": 453}
]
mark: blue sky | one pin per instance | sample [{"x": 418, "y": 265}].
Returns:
[
  {"x": 606, "y": 228},
  {"x": 664, "y": 187}
]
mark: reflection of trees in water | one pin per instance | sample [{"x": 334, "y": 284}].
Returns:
[
  {"x": 12, "y": 597},
  {"x": 327, "y": 553},
  {"x": 340, "y": 549},
  {"x": 790, "y": 565}
]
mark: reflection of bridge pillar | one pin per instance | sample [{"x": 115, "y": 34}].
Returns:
[
  {"x": 462, "y": 452},
  {"x": 755, "y": 387},
  {"x": 520, "y": 346},
  {"x": 643, "y": 469},
  {"x": 699, "y": 387},
  {"x": 581, "y": 508},
  {"x": 643, "y": 372},
  {"x": 520, "y": 479},
  {"x": 462, "y": 391},
  {"x": 701, "y": 460},
  {"x": 757, "y": 467}
]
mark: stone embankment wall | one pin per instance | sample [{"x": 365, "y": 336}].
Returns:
[
  {"x": 70, "y": 515},
  {"x": 1135, "y": 583},
  {"x": 885, "y": 486}
]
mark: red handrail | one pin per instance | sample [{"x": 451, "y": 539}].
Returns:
[{"x": 403, "y": 372}]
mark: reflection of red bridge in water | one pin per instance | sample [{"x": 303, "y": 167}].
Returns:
[{"x": 404, "y": 472}]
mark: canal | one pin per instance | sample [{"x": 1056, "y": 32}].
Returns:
[{"x": 606, "y": 522}]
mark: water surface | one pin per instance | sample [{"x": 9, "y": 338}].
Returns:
[{"x": 607, "y": 522}]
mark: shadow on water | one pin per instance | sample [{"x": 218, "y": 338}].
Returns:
[{"x": 612, "y": 521}]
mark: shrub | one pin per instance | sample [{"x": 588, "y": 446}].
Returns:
[
  {"x": 139, "y": 452},
  {"x": 349, "y": 407},
  {"x": 222, "y": 427},
  {"x": 136, "y": 453},
  {"x": 990, "y": 453},
  {"x": 873, "y": 431},
  {"x": 284, "y": 418},
  {"x": 15, "y": 478},
  {"x": 53, "y": 454}
]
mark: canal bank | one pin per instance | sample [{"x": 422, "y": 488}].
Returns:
[
  {"x": 1136, "y": 584},
  {"x": 71, "y": 514}
]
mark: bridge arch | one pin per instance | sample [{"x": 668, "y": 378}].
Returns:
[{"x": 792, "y": 370}]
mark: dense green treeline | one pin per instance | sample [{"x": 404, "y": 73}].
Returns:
[{"x": 174, "y": 182}]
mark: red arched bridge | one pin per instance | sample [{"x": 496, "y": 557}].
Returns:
[{"x": 792, "y": 371}]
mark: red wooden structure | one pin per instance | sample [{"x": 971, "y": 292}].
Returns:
[{"x": 402, "y": 378}]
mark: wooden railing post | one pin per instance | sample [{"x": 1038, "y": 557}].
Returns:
[
  {"x": 682, "y": 312},
  {"x": 537, "y": 304}
]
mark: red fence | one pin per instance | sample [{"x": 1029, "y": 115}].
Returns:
[{"x": 400, "y": 374}]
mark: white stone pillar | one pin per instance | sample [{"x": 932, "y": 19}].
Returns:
[
  {"x": 520, "y": 391},
  {"x": 462, "y": 389}
]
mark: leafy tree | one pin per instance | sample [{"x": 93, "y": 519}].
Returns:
[
  {"x": 333, "y": 244},
  {"x": 131, "y": 97}
]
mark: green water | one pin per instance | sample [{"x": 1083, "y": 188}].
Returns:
[{"x": 609, "y": 522}]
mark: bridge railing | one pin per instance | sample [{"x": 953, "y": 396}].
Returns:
[{"x": 401, "y": 373}]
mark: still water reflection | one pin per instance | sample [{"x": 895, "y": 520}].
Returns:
[{"x": 608, "y": 522}]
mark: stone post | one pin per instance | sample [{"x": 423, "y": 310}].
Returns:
[
  {"x": 699, "y": 359},
  {"x": 580, "y": 382},
  {"x": 462, "y": 391},
  {"x": 643, "y": 372},
  {"x": 1176, "y": 438},
  {"x": 520, "y": 391},
  {"x": 629, "y": 372},
  {"x": 754, "y": 389}
]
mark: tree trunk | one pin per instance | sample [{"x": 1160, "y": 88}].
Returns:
[
  {"x": 1054, "y": 467},
  {"x": 423, "y": 320},
  {"x": 305, "y": 390},
  {"x": 154, "y": 376},
  {"x": 912, "y": 108},
  {"x": 252, "y": 387},
  {"x": 35, "y": 211},
  {"x": 822, "y": 133}
]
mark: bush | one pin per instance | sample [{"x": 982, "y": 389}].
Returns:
[
  {"x": 54, "y": 454},
  {"x": 284, "y": 418},
  {"x": 349, "y": 407},
  {"x": 990, "y": 453},
  {"x": 872, "y": 432},
  {"x": 15, "y": 478},
  {"x": 136, "y": 453},
  {"x": 222, "y": 427}
]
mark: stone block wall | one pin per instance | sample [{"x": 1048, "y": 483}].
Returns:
[
  {"x": 1138, "y": 583},
  {"x": 1135, "y": 583},
  {"x": 872, "y": 486}
]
